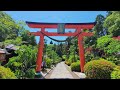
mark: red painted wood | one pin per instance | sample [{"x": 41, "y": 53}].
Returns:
[
  {"x": 56, "y": 34},
  {"x": 35, "y": 33},
  {"x": 81, "y": 48},
  {"x": 40, "y": 53},
  {"x": 81, "y": 53},
  {"x": 65, "y": 34},
  {"x": 55, "y": 26},
  {"x": 87, "y": 34}
]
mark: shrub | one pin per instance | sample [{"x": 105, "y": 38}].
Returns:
[
  {"x": 6, "y": 73},
  {"x": 118, "y": 67},
  {"x": 68, "y": 62},
  {"x": 116, "y": 73},
  {"x": 64, "y": 57},
  {"x": 113, "y": 59},
  {"x": 99, "y": 69},
  {"x": 23, "y": 64},
  {"x": 48, "y": 62},
  {"x": 73, "y": 58},
  {"x": 75, "y": 66},
  {"x": 65, "y": 61}
]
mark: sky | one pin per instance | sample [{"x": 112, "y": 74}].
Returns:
[{"x": 54, "y": 17}]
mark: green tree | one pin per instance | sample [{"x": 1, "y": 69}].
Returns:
[
  {"x": 111, "y": 48},
  {"x": 30, "y": 39},
  {"x": 91, "y": 42},
  {"x": 112, "y": 22},
  {"x": 98, "y": 31},
  {"x": 109, "y": 13},
  {"x": 17, "y": 41},
  {"x": 52, "y": 54},
  {"x": 24, "y": 64},
  {"x": 8, "y": 27}
]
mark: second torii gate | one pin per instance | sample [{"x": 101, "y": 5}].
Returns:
[{"x": 77, "y": 26}]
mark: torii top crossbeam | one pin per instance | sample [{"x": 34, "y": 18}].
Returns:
[
  {"x": 77, "y": 26},
  {"x": 67, "y": 25}
]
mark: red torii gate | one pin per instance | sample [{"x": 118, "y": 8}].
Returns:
[{"x": 77, "y": 26}]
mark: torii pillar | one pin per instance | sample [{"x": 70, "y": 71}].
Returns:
[
  {"x": 40, "y": 50},
  {"x": 81, "y": 49},
  {"x": 40, "y": 53}
]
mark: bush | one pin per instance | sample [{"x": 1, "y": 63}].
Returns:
[
  {"x": 73, "y": 58},
  {"x": 118, "y": 67},
  {"x": 23, "y": 64},
  {"x": 64, "y": 57},
  {"x": 6, "y": 73},
  {"x": 48, "y": 62},
  {"x": 116, "y": 73},
  {"x": 75, "y": 66},
  {"x": 68, "y": 62},
  {"x": 99, "y": 69},
  {"x": 113, "y": 59}
]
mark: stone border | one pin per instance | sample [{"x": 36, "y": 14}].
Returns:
[
  {"x": 45, "y": 75},
  {"x": 73, "y": 74},
  {"x": 76, "y": 75}
]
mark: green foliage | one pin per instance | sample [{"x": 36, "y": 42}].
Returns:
[
  {"x": 8, "y": 27},
  {"x": 72, "y": 49},
  {"x": 68, "y": 62},
  {"x": 89, "y": 57},
  {"x": 109, "y": 13},
  {"x": 24, "y": 64},
  {"x": 52, "y": 54},
  {"x": 99, "y": 69},
  {"x": 116, "y": 44},
  {"x": 99, "y": 29},
  {"x": 75, "y": 66},
  {"x": 118, "y": 67},
  {"x": 17, "y": 41},
  {"x": 112, "y": 22},
  {"x": 10, "y": 30},
  {"x": 48, "y": 62},
  {"x": 6, "y": 73},
  {"x": 116, "y": 73},
  {"x": 30, "y": 39},
  {"x": 64, "y": 57},
  {"x": 71, "y": 59},
  {"x": 91, "y": 42},
  {"x": 106, "y": 43}
]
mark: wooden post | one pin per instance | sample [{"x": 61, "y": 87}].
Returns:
[
  {"x": 40, "y": 53},
  {"x": 81, "y": 52}
]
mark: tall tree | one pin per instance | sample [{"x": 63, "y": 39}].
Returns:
[
  {"x": 112, "y": 22},
  {"x": 109, "y": 13},
  {"x": 8, "y": 27},
  {"x": 98, "y": 31},
  {"x": 30, "y": 39}
]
